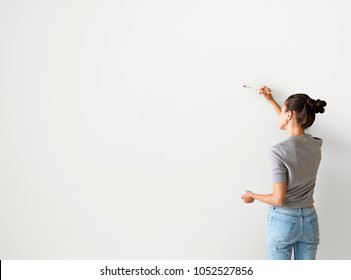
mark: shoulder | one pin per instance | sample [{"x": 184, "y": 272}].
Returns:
[
  {"x": 318, "y": 140},
  {"x": 285, "y": 148},
  {"x": 314, "y": 140},
  {"x": 281, "y": 146},
  {"x": 278, "y": 150}
]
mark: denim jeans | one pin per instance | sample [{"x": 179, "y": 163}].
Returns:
[{"x": 289, "y": 229}]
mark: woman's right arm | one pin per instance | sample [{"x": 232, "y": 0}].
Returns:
[{"x": 266, "y": 92}]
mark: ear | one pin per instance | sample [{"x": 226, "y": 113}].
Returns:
[{"x": 290, "y": 114}]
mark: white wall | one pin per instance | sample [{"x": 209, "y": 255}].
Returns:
[{"x": 126, "y": 132}]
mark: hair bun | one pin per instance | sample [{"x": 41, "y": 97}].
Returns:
[{"x": 317, "y": 106}]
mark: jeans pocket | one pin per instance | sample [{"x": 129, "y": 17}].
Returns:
[
  {"x": 282, "y": 229},
  {"x": 312, "y": 230}
]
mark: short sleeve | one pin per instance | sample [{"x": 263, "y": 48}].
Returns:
[{"x": 279, "y": 169}]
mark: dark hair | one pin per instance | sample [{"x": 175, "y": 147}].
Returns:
[{"x": 305, "y": 108}]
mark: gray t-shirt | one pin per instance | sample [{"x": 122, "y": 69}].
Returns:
[{"x": 296, "y": 161}]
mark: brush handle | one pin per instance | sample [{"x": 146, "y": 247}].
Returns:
[{"x": 257, "y": 89}]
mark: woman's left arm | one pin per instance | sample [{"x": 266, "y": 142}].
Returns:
[{"x": 277, "y": 198}]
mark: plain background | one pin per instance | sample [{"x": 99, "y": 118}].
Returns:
[{"x": 126, "y": 132}]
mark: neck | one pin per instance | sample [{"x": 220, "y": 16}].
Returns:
[{"x": 296, "y": 131}]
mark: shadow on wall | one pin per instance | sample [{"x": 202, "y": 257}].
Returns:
[{"x": 331, "y": 197}]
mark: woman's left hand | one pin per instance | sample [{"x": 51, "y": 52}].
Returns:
[{"x": 247, "y": 197}]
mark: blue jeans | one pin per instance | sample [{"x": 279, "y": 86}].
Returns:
[{"x": 292, "y": 228}]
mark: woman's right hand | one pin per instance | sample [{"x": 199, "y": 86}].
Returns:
[{"x": 266, "y": 92}]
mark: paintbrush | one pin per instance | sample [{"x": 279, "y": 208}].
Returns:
[{"x": 245, "y": 86}]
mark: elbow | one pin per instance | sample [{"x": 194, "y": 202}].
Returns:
[
  {"x": 280, "y": 202},
  {"x": 279, "y": 194}
]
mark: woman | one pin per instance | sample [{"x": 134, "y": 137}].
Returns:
[{"x": 292, "y": 221}]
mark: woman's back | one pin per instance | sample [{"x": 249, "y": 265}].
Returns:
[{"x": 296, "y": 161}]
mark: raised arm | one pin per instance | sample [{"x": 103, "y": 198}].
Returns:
[{"x": 266, "y": 92}]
